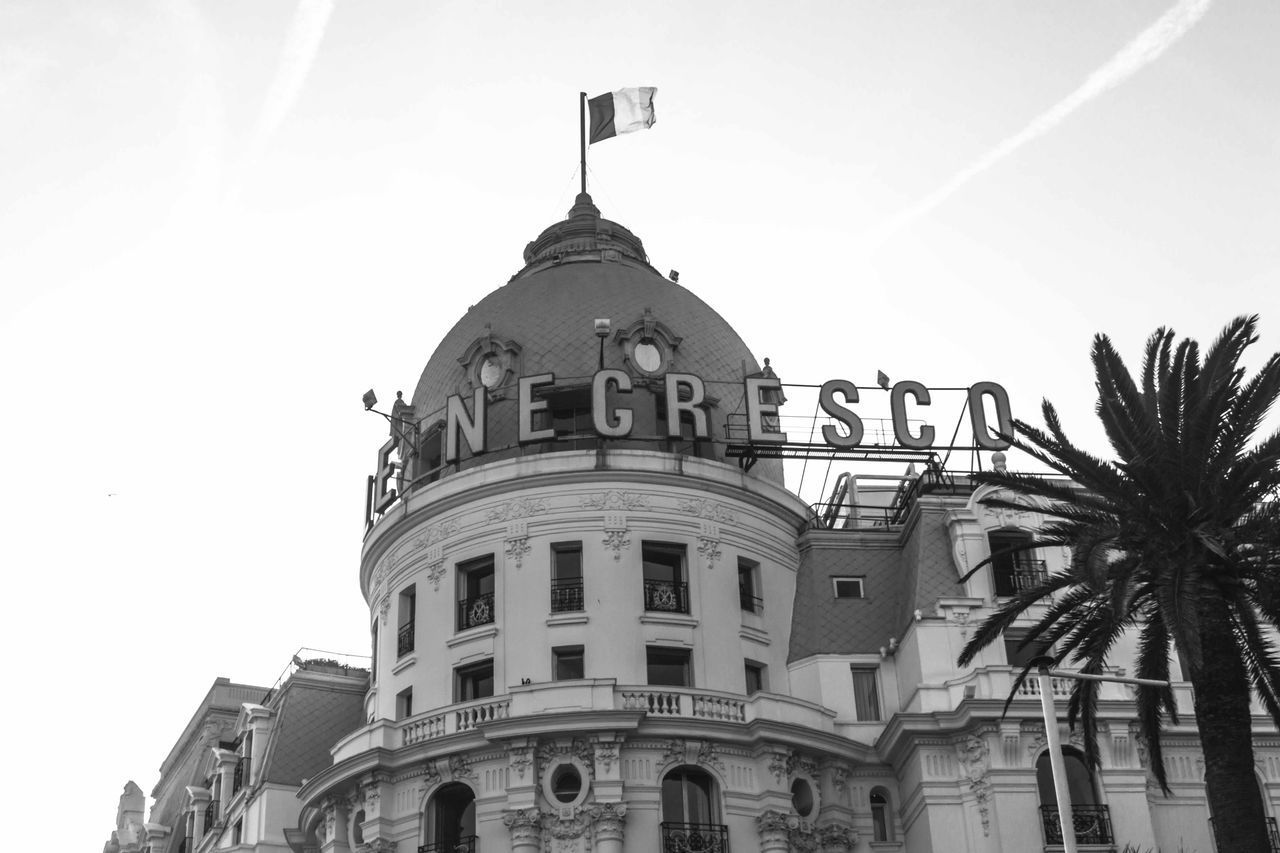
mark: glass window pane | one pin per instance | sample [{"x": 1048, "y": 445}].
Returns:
[{"x": 865, "y": 697}]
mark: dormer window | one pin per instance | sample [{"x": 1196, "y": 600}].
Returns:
[{"x": 648, "y": 347}]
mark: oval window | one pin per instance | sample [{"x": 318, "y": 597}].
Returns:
[
  {"x": 491, "y": 372},
  {"x": 802, "y": 797},
  {"x": 648, "y": 357},
  {"x": 566, "y": 783}
]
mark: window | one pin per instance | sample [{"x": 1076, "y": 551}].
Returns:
[
  {"x": 431, "y": 455},
  {"x": 475, "y": 592},
  {"x": 568, "y": 412},
  {"x": 866, "y": 698},
  {"x": 474, "y": 681},
  {"x": 847, "y": 587},
  {"x": 1090, "y": 819},
  {"x": 690, "y": 812},
  {"x": 1014, "y": 571},
  {"x": 802, "y": 797},
  {"x": 237, "y": 833},
  {"x": 567, "y": 663},
  {"x": 1079, "y": 779},
  {"x": 1021, "y": 657},
  {"x": 451, "y": 819},
  {"x": 404, "y": 703},
  {"x": 566, "y": 576},
  {"x": 747, "y": 573},
  {"x": 881, "y": 825},
  {"x": 667, "y": 666},
  {"x": 664, "y": 585},
  {"x": 373, "y": 660},
  {"x": 406, "y": 613},
  {"x": 755, "y": 676}
]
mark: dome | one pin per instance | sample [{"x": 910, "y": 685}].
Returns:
[{"x": 542, "y": 321}]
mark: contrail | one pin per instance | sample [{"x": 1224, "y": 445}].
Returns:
[
  {"x": 306, "y": 32},
  {"x": 1133, "y": 57}
]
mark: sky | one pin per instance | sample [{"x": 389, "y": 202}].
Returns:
[{"x": 221, "y": 222}]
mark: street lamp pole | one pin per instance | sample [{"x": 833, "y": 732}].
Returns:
[{"x": 1062, "y": 795}]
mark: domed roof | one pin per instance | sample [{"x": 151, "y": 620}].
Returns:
[{"x": 542, "y": 321}]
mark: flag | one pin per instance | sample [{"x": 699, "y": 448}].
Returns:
[{"x": 621, "y": 112}]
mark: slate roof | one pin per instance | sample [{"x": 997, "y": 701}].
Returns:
[{"x": 312, "y": 716}]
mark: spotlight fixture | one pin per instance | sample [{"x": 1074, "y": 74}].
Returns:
[
  {"x": 882, "y": 380},
  {"x": 602, "y": 327},
  {"x": 674, "y": 275},
  {"x": 370, "y": 400}
]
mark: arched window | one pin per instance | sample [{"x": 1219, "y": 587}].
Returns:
[
  {"x": 1091, "y": 820},
  {"x": 691, "y": 811},
  {"x": 450, "y": 825},
  {"x": 881, "y": 820},
  {"x": 1079, "y": 779}
]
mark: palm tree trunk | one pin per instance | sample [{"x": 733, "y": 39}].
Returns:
[{"x": 1226, "y": 738}]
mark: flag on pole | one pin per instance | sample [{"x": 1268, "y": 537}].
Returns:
[{"x": 621, "y": 112}]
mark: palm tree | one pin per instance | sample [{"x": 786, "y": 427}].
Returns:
[{"x": 1178, "y": 539}]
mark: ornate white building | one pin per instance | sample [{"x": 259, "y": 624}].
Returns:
[{"x": 600, "y": 622}]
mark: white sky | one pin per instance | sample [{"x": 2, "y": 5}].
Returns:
[{"x": 221, "y": 222}]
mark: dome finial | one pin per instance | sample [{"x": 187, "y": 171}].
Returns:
[{"x": 584, "y": 206}]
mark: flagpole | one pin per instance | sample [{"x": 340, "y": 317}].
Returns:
[{"x": 582, "y": 137}]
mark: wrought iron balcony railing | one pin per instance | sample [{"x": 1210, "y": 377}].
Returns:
[
  {"x": 1273, "y": 834},
  {"x": 475, "y": 611},
  {"x": 240, "y": 774},
  {"x": 465, "y": 844},
  {"x": 1028, "y": 574},
  {"x": 566, "y": 595},
  {"x": 666, "y": 596},
  {"x": 694, "y": 837},
  {"x": 750, "y": 603},
  {"x": 210, "y": 815},
  {"x": 404, "y": 639},
  {"x": 1091, "y": 823}
]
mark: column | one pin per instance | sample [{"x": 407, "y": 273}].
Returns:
[
  {"x": 225, "y": 768},
  {"x": 609, "y": 820},
  {"x": 333, "y": 814},
  {"x": 773, "y": 827},
  {"x": 525, "y": 826},
  {"x": 157, "y": 837},
  {"x": 199, "y": 801}
]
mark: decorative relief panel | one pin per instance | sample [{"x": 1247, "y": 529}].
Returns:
[
  {"x": 709, "y": 543},
  {"x": 517, "y": 542},
  {"x": 974, "y": 759},
  {"x": 518, "y": 508},
  {"x": 615, "y": 501},
  {"x": 707, "y": 509}
]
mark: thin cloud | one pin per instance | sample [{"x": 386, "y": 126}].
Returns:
[
  {"x": 306, "y": 32},
  {"x": 1133, "y": 57}
]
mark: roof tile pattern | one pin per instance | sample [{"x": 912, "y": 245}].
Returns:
[
  {"x": 310, "y": 721},
  {"x": 549, "y": 310},
  {"x": 846, "y": 625}
]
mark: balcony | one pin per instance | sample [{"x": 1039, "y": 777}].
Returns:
[
  {"x": 404, "y": 639},
  {"x": 666, "y": 596},
  {"x": 1092, "y": 825},
  {"x": 1029, "y": 574},
  {"x": 465, "y": 844},
  {"x": 1273, "y": 834},
  {"x": 473, "y": 612},
  {"x": 566, "y": 595},
  {"x": 210, "y": 815},
  {"x": 587, "y": 694},
  {"x": 240, "y": 775},
  {"x": 699, "y": 837}
]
